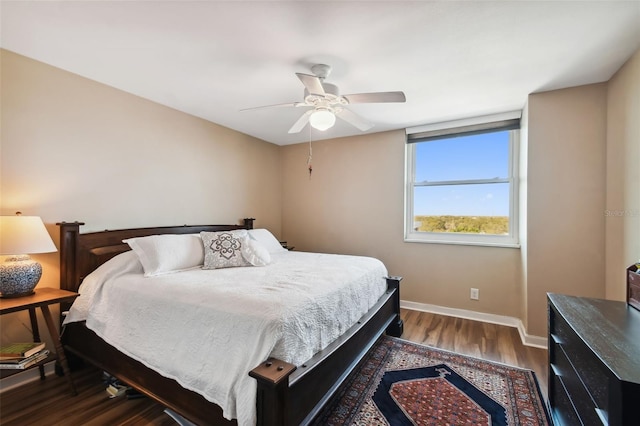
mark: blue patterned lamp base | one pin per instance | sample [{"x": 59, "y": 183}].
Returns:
[{"x": 19, "y": 275}]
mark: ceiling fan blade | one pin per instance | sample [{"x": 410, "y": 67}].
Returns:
[
  {"x": 290, "y": 104},
  {"x": 376, "y": 97},
  {"x": 311, "y": 83},
  {"x": 354, "y": 119},
  {"x": 302, "y": 121}
]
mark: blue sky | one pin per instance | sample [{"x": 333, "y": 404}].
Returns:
[{"x": 468, "y": 157}]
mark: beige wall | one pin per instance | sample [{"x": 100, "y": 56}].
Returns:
[
  {"x": 623, "y": 176},
  {"x": 74, "y": 149},
  {"x": 354, "y": 204},
  {"x": 566, "y": 197}
]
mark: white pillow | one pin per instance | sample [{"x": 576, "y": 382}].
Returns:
[
  {"x": 266, "y": 240},
  {"x": 254, "y": 253},
  {"x": 164, "y": 254}
]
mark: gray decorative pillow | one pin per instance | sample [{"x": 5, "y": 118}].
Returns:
[{"x": 224, "y": 249}]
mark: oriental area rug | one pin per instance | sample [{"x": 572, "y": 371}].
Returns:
[{"x": 403, "y": 383}]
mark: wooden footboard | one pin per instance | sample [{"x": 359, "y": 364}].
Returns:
[
  {"x": 290, "y": 396},
  {"x": 286, "y": 395}
]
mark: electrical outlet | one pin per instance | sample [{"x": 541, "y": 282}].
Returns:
[{"x": 475, "y": 294}]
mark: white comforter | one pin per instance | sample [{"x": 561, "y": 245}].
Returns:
[{"x": 208, "y": 328}]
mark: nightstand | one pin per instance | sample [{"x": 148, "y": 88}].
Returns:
[
  {"x": 285, "y": 245},
  {"x": 42, "y": 298}
]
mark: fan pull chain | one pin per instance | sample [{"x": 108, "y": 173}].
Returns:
[{"x": 309, "y": 164}]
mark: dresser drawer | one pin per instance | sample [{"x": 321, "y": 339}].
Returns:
[
  {"x": 580, "y": 398},
  {"x": 563, "y": 412},
  {"x": 584, "y": 362}
]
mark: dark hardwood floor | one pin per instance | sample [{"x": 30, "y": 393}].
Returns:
[
  {"x": 478, "y": 339},
  {"x": 49, "y": 402}
]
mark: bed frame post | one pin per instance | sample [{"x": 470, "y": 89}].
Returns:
[
  {"x": 273, "y": 384},
  {"x": 69, "y": 232},
  {"x": 248, "y": 222},
  {"x": 396, "y": 328},
  {"x": 68, "y": 248}
]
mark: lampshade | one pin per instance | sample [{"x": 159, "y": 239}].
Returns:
[
  {"x": 24, "y": 235},
  {"x": 19, "y": 237},
  {"x": 322, "y": 119}
]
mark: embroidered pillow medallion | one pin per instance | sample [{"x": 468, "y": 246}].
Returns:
[{"x": 224, "y": 249}]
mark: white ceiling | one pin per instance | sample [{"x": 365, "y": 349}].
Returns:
[{"x": 212, "y": 58}]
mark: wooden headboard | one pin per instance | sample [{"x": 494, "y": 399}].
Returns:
[{"x": 81, "y": 254}]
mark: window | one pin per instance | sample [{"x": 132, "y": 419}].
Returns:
[{"x": 462, "y": 182}]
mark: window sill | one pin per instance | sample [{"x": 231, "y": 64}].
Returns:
[{"x": 464, "y": 243}]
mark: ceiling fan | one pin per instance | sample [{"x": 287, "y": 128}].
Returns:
[{"x": 326, "y": 103}]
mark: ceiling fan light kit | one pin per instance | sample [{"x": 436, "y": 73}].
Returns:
[
  {"x": 322, "y": 119},
  {"x": 327, "y": 103}
]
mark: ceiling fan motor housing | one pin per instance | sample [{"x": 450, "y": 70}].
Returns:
[{"x": 331, "y": 96}]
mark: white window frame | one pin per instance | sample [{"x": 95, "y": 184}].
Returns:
[{"x": 449, "y": 130}]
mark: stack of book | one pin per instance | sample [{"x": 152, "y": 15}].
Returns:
[{"x": 18, "y": 356}]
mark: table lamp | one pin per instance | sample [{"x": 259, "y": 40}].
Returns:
[{"x": 19, "y": 237}]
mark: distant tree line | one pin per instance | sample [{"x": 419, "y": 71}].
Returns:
[{"x": 495, "y": 225}]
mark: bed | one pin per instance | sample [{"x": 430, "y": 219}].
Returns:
[{"x": 286, "y": 393}]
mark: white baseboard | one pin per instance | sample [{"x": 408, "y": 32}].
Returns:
[
  {"x": 528, "y": 340},
  {"x": 25, "y": 377}
]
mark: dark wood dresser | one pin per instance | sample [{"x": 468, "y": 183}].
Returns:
[{"x": 594, "y": 361}]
